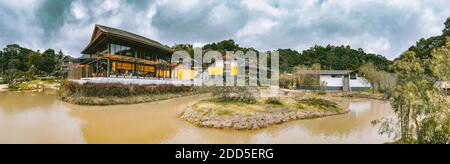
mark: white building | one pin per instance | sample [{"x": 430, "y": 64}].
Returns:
[{"x": 346, "y": 80}]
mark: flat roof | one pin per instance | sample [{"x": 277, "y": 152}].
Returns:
[
  {"x": 331, "y": 72},
  {"x": 336, "y": 72}
]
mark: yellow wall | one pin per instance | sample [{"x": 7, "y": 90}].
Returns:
[
  {"x": 215, "y": 71},
  {"x": 187, "y": 74},
  {"x": 218, "y": 71}
]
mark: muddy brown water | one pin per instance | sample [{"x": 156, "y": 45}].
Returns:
[{"x": 39, "y": 117}]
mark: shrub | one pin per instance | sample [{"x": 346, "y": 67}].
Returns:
[
  {"x": 12, "y": 76},
  {"x": 322, "y": 92},
  {"x": 237, "y": 94},
  {"x": 319, "y": 103},
  {"x": 273, "y": 101},
  {"x": 120, "y": 90},
  {"x": 286, "y": 81},
  {"x": 323, "y": 88}
]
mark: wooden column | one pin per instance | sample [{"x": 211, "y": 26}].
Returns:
[{"x": 108, "y": 68}]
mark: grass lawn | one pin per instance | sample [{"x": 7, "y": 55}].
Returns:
[{"x": 34, "y": 84}]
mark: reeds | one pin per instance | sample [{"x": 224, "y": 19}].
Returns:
[{"x": 121, "y": 90}]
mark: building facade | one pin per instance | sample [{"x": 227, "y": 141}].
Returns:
[
  {"x": 116, "y": 53},
  {"x": 346, "y": 80},
  {"x": 343, "y": 80}
]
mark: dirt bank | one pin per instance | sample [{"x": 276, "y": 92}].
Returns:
[{"x": 253, "y": 116}]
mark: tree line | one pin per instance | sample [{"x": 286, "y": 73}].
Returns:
[
  {"x": 328, "y": 57},
  {"x": 18, "y": 62},
  {"x": 331, "y": 58}
]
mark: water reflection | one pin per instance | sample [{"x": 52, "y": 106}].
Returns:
[
  {"x": 42, "y": 118},
  {"x": 17, "y": 101},
  {"x": 141, "y": 123},
  {"x": 354, "y": 127},
  {"x": 40, "y": 125}
]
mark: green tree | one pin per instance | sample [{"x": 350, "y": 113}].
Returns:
[
  {"x": 29, "y": 75},
  {"x": 446, "y": 31},
  {"x": 288, "y": 60},
  {"x": 422, "y": 109},
  {"x": 14, "y": 64},
  {"x": 2, "y": 60},
  {"x": 34, "y": 59},
  {"x": 226, "y": 45},
  {"x": 331, "y": 57},
  {"x": 375, "y": 77},
  {"x": 15, "y": 57},
  {"x": 48, "y": 61},
  {"x": 11, "y": 76},
  {"x": 60, "y": 55},
  {"x": 440, "y": 63}
]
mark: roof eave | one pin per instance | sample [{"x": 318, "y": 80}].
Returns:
[{"x": 162, "y": 47}]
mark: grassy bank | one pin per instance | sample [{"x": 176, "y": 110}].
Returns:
[
  {"x": 216, "y": 113},
  {"x": 38, "y": 84},
  {"x": 113, "y": 94},
  {"x": 367, "y": 95},
  {"x": 378, "y": 95}
]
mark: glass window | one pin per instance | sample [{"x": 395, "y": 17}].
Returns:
[
  {"x": 119, "y": 49},
  {"x": 134, "y": 52},
  {"x": 353, "y": 76},
  {"x": 147, "y": 56},
  {"x": 113, "y": 48},
  {"x": 128, "y": 51},
  {"x": 116, "y": 49},
  {"x": 125, "y": 51}
]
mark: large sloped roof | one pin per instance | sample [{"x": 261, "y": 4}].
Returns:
[{"x": 105, "y": 30}]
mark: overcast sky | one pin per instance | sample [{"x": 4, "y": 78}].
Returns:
[{"x": 386, "y": 27}]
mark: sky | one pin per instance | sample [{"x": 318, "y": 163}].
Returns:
[{"x": 386, "y": 27}]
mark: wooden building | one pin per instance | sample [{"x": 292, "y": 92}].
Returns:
[{"x": 120, "y": 54}]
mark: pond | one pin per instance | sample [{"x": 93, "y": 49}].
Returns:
[{"x": 40, "y": 117}]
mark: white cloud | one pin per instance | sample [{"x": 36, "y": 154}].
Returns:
[
  {"x": 263, "y": 6},
  {"x": 380, "y": 45},
  {"x": 220, "y": 15},
  {"x": 113, "y": 13},
  {"x": 21, "y": 4},
  {"x": 380, "y": 26},
  {"x": 198, "y": 44},
  {"x": 183, "y": 6},
  {"x": 256, "y": 27},
  {"x": 17, "y": 23},
  {"x": 78, "y": 10},
  {"x": 111, "y": 5}
]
